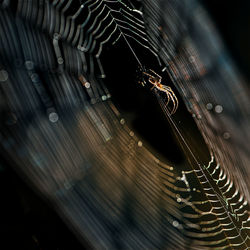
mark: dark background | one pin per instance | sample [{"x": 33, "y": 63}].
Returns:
[{"x": 27, "y": 222}]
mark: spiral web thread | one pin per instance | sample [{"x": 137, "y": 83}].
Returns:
[{"x": 81, "y": 155}]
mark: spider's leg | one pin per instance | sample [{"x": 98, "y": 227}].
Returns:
[
  {"x": 172, "y": 96},
  {"x": 174, "y": 105},
  {"x": 168, "y": 97},
  {"x": 171, "y": 99},
  {"x": 175, "y": 102},
  {"x": 152, "y": 87},
  {"x": 168, "y": 88},
  {"x": 163, "y": 89},
  {"x": 147, "y": 74},
  {"x": 143, "y": 82},
  {"x": 156, "y": 74}
]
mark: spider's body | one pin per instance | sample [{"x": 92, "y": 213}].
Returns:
[{"x": 155, "y": 80}]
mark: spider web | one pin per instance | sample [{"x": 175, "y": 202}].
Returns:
[
  {"x": 190, "y": 62},
  {"x": 72, "y": 144},
  {"x": 88, "y": 26}
]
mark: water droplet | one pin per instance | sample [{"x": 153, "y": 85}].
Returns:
[
  {"x": 3, "y": 75},
  {"x": 191, "y": 59},
  {"x": 29, "y": 65},
  {"x": 194, "y": 189},
  {"x": 218, "y": 109},
  {"x": 131, "y": 133},
  {"x": 209, "y": 106},
  {"x": 56, "y": 36},
  {"x": 175, "y": 223},
  {"x": 60, "y": 60},
  {"x": 122, "y": 121},
  {"x": 87, "y": 85},
  {"x": 82, "y": 49},
  {"x": 67, "y": 185},
  {"x": 104, "y": 98},
  {"x": 34, "y": 78},
  {"x": 179, "y": 200},
  {"x": 193, "y": 115},
  {"x": 139, "y": 144},
  {"x": 226, "y": 135},
  {"x": 93, "y": 101},
  {"x": 53, "y": 117}
]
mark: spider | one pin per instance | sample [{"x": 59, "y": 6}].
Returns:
[{"x": 155, "y": 79}]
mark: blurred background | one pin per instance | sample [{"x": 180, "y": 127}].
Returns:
[{"x": 27, "y": 221}]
